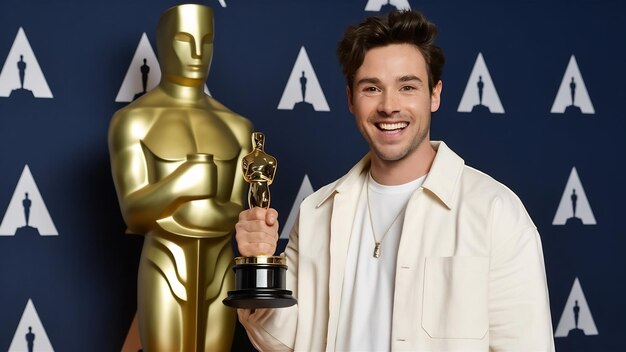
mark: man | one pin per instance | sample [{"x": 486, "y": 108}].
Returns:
[
  {"x": 411, "y": 249},
  {"x": 175, "y": 156}
]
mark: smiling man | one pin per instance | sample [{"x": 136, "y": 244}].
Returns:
[{"x": 411, "y": 249}]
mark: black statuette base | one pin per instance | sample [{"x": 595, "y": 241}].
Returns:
[{"x": 260, "y": 286}]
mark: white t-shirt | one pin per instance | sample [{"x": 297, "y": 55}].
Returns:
[{"x": 368, "y": 286}]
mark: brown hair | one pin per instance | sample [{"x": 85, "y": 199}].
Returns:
[{"x": 398, "y": 27}]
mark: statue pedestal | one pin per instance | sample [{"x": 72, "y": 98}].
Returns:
[{"x": 260, "y": 283}]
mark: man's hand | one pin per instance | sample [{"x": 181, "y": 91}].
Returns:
[{"x": 257, "y": 232}]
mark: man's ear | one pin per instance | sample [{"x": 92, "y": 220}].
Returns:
[
  {"x": 349, "y": 95},
  {"x": 435, "y": 98}
]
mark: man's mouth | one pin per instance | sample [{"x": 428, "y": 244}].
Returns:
[{"x": 396, "y": 126}]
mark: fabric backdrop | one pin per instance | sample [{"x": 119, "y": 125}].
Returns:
[{"x": 533, "y": 95}]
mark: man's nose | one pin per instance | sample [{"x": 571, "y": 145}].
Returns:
[{"x": 389, "y": 103}]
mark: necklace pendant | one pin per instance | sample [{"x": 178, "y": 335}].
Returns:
[{"x": 377, "y": 250}]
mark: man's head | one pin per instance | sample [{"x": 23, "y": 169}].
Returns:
[
  {"x": 185, "y": 43},
  {"x": 400, "y": 27},
  {"x": 393, "y": 73}
]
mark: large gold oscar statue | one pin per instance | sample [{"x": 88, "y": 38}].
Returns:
[{"x": 175, "y": 157}]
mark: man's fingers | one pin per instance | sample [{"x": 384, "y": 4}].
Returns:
[
  {"x": 256, "y": 249},
  {"x": 270, "y": 215},
  {"x": 245, "y": 236},
  {"x": 256, "y": 243},
  {"x": 257, "y": 232},
  {"x": 255, "y": 226},
  {"x": 255, "y": 213}
]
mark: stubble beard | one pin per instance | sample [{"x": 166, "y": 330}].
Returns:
[
  {"x": 388, "y": 157},
  {"x": 401, "y": 155}
]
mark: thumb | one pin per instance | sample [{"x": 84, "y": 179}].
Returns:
[{"x": 271, "y": 217}]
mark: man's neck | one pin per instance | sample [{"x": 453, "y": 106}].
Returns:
[{"x": 410, "y": 168}]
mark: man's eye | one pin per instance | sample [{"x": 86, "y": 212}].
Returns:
[
  {"x": 370, "y": 89},
  {"x": 407, "y": 88}
]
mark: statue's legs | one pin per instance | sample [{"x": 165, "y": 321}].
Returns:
[
  {"x": 221, "y": 319},
  {"x": 159, "y": 310},
  {"x": 259, "y": 195},
  {"x": 180, "y": 288}
]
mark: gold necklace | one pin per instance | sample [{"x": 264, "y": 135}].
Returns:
[{"x": 378, "y": 243}]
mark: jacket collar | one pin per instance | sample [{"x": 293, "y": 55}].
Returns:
[
  {"x": 346, "y": 181},
  {"x": 442, "y": 180},
  {"x": 445, "y": 174}
]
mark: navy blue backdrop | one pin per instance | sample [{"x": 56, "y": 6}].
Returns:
[{"x": 548, "y": 122}]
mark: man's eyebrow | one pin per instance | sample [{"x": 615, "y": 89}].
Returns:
[
  {"x": 408, "y": 78},
  {"x": 370, "y": 80},
  {"x": 374, "y": 80}
]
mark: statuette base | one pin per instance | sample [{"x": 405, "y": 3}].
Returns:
[{"x": 260, "y": 283}]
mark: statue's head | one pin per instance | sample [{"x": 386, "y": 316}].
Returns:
[
  {"x": 185, "y": 43},
  {"x": 258, "y": 140}
]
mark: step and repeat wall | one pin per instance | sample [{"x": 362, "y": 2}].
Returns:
[{"x": 533, "y": 95}]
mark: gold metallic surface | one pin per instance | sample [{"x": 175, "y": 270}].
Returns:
[
  {"x": 261, "y": 260},
  {"x": 259, "y": 169},
  {"x": 175, "y": 155}
]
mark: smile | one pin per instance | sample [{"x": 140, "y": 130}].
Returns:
[{"x": 384, "y": 126}]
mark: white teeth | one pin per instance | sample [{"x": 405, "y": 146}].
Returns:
[{"x": 392, "y": 126}]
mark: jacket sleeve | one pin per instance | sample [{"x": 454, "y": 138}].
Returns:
[
  {"x": 275, "y": 329},
  {"x": 519, "y": 310}
]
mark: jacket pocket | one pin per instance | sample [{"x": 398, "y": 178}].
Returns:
[{"x": 455, "y": 297}]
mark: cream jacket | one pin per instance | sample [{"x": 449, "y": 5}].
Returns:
[{"x": 470, "y": 274}]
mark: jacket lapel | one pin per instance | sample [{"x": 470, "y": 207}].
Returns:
[{"x": 345, "y": 197}]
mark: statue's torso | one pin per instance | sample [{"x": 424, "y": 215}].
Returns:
[{"x": 176, "y": 132}]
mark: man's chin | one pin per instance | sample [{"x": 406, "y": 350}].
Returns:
[{"x": 390, "y": 156}]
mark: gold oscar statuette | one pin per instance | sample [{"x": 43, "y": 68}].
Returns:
[
  {"x": 175, "y": 155},
  {"x": 260, "y": 282}
]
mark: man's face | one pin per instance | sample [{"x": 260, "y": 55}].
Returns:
[{"x": 391, "y": 101}]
